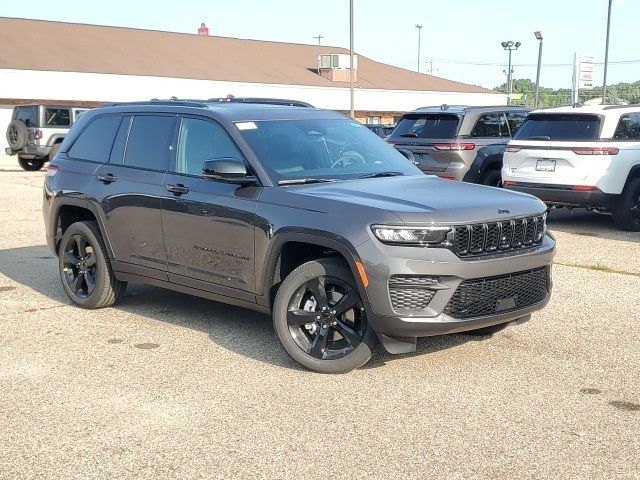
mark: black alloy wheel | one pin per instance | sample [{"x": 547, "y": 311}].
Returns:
[
  {"x": 79, "y": 266},
  {"x": 326, "y": 318}
]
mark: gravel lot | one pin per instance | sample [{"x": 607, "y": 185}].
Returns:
[{"x": 170, "y": 386}]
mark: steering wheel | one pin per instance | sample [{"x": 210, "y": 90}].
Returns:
[{"x": 347, "y": 158}]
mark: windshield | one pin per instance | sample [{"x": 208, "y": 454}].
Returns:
[
  {"x": 319, "y": 148},
  {"x": 427, "y": 126},
  {"x": 559, "y": 127}
]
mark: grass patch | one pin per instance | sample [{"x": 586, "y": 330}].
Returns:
[{"x": 598, "y": 267}]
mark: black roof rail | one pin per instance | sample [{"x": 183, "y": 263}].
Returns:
[
  {"x": 156, "y": 101},
  {"x": 260, "y": 100}
]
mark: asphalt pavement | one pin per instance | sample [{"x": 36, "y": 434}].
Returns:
[{"x": 166, "y": 385}]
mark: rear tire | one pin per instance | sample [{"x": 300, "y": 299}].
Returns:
[
  {"x": 492, "y": 178},
  {"x": 627, "y": 216},
  {"x": 309, "y": 330},
  {"x": 30, "y": 165},
  {"x": 85, "y": 269}
]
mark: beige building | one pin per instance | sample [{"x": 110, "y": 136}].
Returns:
[{"x": 89, "y": 64}]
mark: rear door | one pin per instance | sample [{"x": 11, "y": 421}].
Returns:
[
  {"x": 131, "y": 188},
  {"x": 429, "y": 137},
  {"x": 208, "y": 226},
  {"x": 558, "y": 148}
]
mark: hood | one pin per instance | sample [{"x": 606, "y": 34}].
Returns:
[{"x": 429, "y": 199}]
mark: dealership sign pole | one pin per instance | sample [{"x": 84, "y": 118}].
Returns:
[{"x": 582, "y": 75}]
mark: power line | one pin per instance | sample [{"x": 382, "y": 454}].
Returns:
[{"x": 498, "y": 64}]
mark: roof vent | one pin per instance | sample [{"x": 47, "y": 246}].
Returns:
[
  {"x": 336, "y": 67},
  {"x": 203, "y": 30}
]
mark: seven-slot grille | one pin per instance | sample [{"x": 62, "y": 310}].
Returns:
[
  {"x": 484, "y": 238},
  {"x": 493, "y": 295},
  {"x": 410, "y": 293}
]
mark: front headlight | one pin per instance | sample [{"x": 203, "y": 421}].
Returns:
[{"x": 419, "y": 236}]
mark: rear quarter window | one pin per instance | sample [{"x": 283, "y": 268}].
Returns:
[
  {"x": 29, "y": 115},
  {"x": 560, "y": 127},
  {"x": 628, "y": 127},
  {"x": 427, "y": 126},
  {"x": 95, "y": 141}
]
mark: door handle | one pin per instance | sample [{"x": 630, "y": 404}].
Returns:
[
  {"x": 177, "y": 189},
  {"x": 107, "y": 178}
]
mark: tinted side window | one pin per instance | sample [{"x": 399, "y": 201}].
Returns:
[
  {"x": 57, "y": 117},
  {"x": 149, "y": 140},
  {"x": 488, "y": 125},
  {"x": 515, "y": 120},
  {"x": 29, "y": 115},
  {"x": 202, "y": 140},
  {"x": 95, "y": 141},
  {"x": 628, "y": 127}
]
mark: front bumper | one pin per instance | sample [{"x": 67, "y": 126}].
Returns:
[
  {"x": 565, "y": 197},
  {"x": 451, "y": 271}
]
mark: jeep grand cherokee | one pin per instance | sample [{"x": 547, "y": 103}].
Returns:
[{"x": 294, "y": 211}]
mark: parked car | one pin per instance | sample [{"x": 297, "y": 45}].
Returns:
[
  {"x": 458, "y": 142},
  {"x": 36, "y": 132},
  {"x": 587, "y": 157},
  {"x": 293, "y": 211},
  {"x": 383, "y": 131}
]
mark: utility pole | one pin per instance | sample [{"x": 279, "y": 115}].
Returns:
[
  {"x": 510, "y": 46},
  {"x": 419, "y": 27},
  {"x": 318, "y": 37},
  {"x": 538, "y": 35},
  {"x": 431, "y": 70},
  {"x": 606, "y": 57},
  {"x": 351, "y": 55}
]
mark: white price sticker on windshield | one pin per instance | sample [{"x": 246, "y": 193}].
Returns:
[{"x": 246, "y": 126}]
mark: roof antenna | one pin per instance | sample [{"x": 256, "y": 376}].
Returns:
[
  {"x": 173, "y": 98},
  {"x": 444, "y": 106}
]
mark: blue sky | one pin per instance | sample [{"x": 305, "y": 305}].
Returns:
[{"x": 455, "y": 33}]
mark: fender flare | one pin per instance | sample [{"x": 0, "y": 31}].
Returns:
[
  {"x": 480, "y": 165},
  {"x": 314, "y": 237},
  {"x": 64, "y": 201},
  {"x": 57, "y": 138},
  {"x": 633, "y": 173}
]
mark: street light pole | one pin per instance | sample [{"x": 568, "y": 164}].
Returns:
[
  {"x": 351, "y": 55},
  {"x": 606, "y": 56},
  {"x": 510, "y": 46},
  {"x": 538, "y": 35},
  {"x": 419, "y": 27}
]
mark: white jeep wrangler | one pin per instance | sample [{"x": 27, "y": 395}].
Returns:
[
  {"x": 586, "y": 157},
  {"x": 36, "y": 132}
]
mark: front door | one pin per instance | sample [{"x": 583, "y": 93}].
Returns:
[{"x": 208, "y": 226}]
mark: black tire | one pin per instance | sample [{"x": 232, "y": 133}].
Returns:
[
  {"x": 627, "y": 216},
  {"x": 85, "y": 269},
  {"x": 30, "y": 164},
  {"x": 54, "y": 151},
  {"x": 492, "y": 178},
  {"x": 304, "y": 326},
  {"x": 17, "y": 134},
  {"x": 486, "y": 331}
]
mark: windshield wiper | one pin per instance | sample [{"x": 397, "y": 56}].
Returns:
[
  {"x": 302, "y": 181},
  {"x": 409, "y": 134},
  {"x": 539, "y": 137},
  {"x": 381, "y": 174}
]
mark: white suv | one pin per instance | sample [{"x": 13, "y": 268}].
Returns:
[{"x": 586, "y": 157}]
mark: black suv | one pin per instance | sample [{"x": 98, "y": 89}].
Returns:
[{"x": 296, "y": 211}]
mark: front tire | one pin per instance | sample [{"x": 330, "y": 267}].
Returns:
[
  {"x": 30, "y": 164},
  {"x": 85, "y": 269},
  {"x": 320, "y": 319},
  {"x": 627, "y": 216}
]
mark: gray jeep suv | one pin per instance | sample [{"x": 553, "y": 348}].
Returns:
[
  {"x": 298, "y": 212},
  {"x": 36, "y": 132},
  {"x": 458, "y": 142}
]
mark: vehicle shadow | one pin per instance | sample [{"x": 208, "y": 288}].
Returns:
[
  {"x": 580, "y": 221},
  {"x": 242, "y": 331}
]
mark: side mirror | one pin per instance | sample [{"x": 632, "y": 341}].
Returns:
[
  {"x": 408, "y": 154},
  {"x": 229, "y": 170}
]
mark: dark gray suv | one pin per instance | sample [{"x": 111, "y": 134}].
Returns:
[
  {"x": 293, "y": 211},
  {"x": 458, "y": 142}
]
